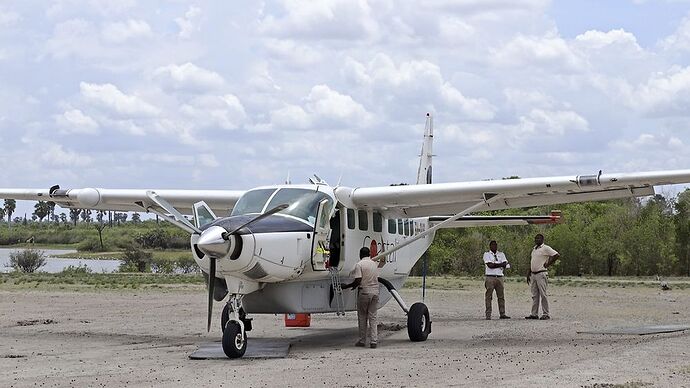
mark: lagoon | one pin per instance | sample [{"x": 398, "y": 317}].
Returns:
[{"x": 54, "y": 264}]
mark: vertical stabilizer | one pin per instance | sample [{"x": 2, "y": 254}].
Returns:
[{"x": 424, "y": 172}]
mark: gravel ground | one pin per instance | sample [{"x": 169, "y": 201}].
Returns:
[{"x": 144, "y": 338}]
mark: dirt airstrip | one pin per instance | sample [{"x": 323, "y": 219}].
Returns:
[{"x": 144, "y": 338}]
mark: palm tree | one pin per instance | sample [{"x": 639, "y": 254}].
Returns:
[
  {"x": 42, "y": 209},
  {"x": 10, "y": 205}
]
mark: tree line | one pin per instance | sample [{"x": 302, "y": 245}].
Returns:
[
  {"x": 626, "y": 237},
  {"x": 45, "y": 210}
]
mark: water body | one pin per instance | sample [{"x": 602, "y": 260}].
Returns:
[{"x": 54, "y": 264}]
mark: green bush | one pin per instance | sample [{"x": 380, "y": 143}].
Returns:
[
  {"x": 161, "y": 265},
  {"x": 27, "y": 260},
  {"x": 91, "y": 244},
  {"x": 136, "y": 259},
  {"x": 75, "y": 270}
]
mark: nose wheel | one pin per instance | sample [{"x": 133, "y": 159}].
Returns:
[{"x": 235, "y": 325}]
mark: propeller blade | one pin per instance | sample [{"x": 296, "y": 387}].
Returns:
[
  {"x": 211, "y": 284},
  {"x": 260, "y": 217}
]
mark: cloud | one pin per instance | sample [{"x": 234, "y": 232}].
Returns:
[
  {"x": 664, "y": 94},
  {"x": 552, "y": 122},
  {"x": 680, "y": 39},
  {"x": 74, "y": 121},
  {"x": 113, "y": 101},
  {"x": 190, "y": 23},
  {"x": 326, "y": 19},
  {"x": 548, "y": 51},
  {"x": 647, "y": 142},
  {"x": 188, "y": 77},
  {"x": 416, "y": 80},
  {"x": 323, "y": 108},
  {"x": 226, "y": 112},
  {"x": 120, "y": 32},
  {"x": 289, "y": 51},
  {"x": 56, "y": 155},
  {"x": 9, "y": 18}
]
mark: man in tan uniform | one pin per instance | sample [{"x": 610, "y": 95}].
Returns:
[
  {"x": 542, "y": 257},
  {"x": 366, "y": 275}
]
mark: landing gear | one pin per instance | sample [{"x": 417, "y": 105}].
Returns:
[
  {"x": 418, "y": 321},
  {"x": 235, "y": 325}
]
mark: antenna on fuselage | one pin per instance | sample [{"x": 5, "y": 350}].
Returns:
[
  {"x": 424, "y": 173},
  {"x": 287, "y": 180}
]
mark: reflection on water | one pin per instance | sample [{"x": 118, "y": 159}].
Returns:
[{"x": 54, "y": 264}]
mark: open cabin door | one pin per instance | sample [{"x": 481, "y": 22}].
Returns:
[
  {"x": 320, "y": 253},
  {"x": 203, "y": 214}
]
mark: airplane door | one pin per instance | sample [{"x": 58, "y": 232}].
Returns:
[
  {"x": 203, "y": 214},
  {"x": 319, "y": 249}
]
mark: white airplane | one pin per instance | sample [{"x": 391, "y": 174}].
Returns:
[{"x": 285, "y": 248}]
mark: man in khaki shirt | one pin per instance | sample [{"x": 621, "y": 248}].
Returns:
[
  {"x": 366, "y": 275},
  {"x": 542, "y": 257}
]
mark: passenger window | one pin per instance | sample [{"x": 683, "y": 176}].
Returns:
[
  {"x": 378, "y": 222},
  {"x": 391, "y": 227},
  {"x": 363, "y": 220},
  {"x": 407, "y": 227},
  {"x": 400, "y": 226},
  {"x": 350, "y": 219}
]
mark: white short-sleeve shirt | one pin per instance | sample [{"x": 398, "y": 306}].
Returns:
[
  {"x": 490, "y": 257},
  {"x": 540, "y": 255},
  {"x": 368, "y": 270}
]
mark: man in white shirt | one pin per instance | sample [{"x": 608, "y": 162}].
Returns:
[
  {"x": 538, "y": 278},
  {"x": 494, "y": 263},
  {"x": 366, "y": 275}
]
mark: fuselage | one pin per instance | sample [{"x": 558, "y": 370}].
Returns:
[{"x": 282, "y": 262}]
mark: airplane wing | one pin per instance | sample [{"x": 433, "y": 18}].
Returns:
[
  {"x": 220, "y": 201},
  {"x": 452, "y": 198}
]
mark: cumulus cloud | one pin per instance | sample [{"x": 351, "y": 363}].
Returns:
[
  {"x": 552, "y": 122},
  {"x": 120, "y": 32},
  {"x": 188, "y": 77},
  {"x": 664, "y": 94},
  {"x": 548, "y": 51},
  {"x": 190, "y": 23},
  {"x": 323, "y": 106},
  {"x": 289, "y": 51},
  {"x": 55, "y": 155},
  {"x": 74, "y": 121},
  {"x": 109, "y": 98},
  {"x": 420, "y": 81},
  {"x": 327, "y": 19},
  {"x": 226, "y": 112},
  {"x": 680, "y": 39}
]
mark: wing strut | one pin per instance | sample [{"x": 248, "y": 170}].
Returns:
[
  {"x": 489, "y": 198},
  {"x": 176, "y": 218}
]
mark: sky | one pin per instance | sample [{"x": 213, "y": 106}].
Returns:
[{"x": 234, "y": 95}]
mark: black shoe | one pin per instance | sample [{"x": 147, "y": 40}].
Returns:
[
  {"x": 504, "y": 317},
  {"x": 488, "y": 318},
  {"x": 531, "y": 317},
  {"x": 360, "y": 344},
  {"x": 373, "y": 345},
  {"x": 545, "y": 318}
]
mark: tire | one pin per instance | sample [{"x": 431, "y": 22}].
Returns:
[
  {"x": 224, "y": 317},
  {"x": 234, "y": 341},
  {"x": 418, "y": 322}
]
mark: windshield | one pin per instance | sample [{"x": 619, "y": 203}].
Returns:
[
  {"x": 252, "y": 202},
  {"x": 303, "y": 203}
]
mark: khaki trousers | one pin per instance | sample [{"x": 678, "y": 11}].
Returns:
[
  {"x": 367, "y": 305},
  {"x": 538, "y": 283},
  {"x": 492, "y": 283}
]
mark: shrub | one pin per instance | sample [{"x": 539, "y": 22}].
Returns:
[
  {"x": 75, "y": 270},
  {"x": 136, "y": 259},
  {"x": 161, "y": 265},
  {"x": 91, "y": 244},
  {"x": 157, "y": 238},
  {"x": 27, "y": 260},
  {"x": 186, "y": 264}
]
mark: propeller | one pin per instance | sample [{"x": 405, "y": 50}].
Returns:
[{"x": 209, "y": 243}]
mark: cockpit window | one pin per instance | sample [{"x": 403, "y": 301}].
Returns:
[
  {"x": 252, "y": 202},
  {"x": 303, "y": 203}
]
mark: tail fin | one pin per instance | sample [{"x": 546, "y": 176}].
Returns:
[{"x": 424, "y": 172}]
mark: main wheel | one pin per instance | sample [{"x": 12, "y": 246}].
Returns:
[
  {"x": 234, "y": 341},
  {"x": 418, "y": 322}
]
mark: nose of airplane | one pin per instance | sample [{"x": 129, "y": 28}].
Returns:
[{"x": 211, "y": 242}]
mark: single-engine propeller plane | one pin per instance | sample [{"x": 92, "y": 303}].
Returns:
[{"x": 285, "y": 248}]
